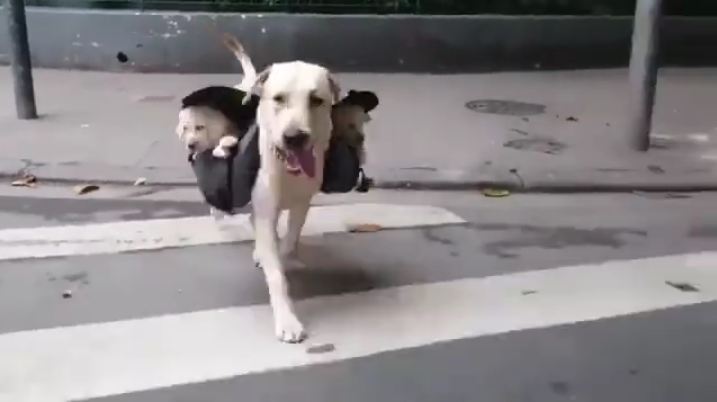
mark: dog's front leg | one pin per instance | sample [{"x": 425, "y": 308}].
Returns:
[
  {"x": 287, "y": 325},
  {"x": 290, "y": 242}
]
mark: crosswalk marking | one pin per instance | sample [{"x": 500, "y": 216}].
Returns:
[
  {"x": 69, "y": 363},
  {"x": 116, "y": 237}
]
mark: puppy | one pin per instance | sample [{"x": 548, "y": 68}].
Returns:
[
  {"x": 349, "y": 117},
  {"x": 212, "y": 117}
]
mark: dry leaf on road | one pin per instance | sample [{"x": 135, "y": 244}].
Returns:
[
  {"x": 85, "y": 189},
  {"x": 495, "y": 192},
  {"x": 364, "y": 228},
  {"x": 26, "y": 181}
]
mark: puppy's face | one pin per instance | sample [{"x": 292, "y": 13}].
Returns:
[
  {"x": 200, "y": 128},
  {"x": 295, "y": 113},
  {"x": 348, "y": 121}
]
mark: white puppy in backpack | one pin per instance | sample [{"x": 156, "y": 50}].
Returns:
[{"x": 294, "y": 122}]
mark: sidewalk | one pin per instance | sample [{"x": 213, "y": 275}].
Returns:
[{"x": 103, "y": 127}]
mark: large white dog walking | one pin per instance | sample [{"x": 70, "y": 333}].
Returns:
[{"x": 294, "y": 120}]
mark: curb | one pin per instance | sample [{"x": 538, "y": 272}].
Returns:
[{"x": 533, "y": 181}]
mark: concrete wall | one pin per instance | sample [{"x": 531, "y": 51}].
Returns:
[{"x": 188, "y": 42}]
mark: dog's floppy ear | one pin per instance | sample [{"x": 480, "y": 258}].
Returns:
[
  {"x": 258, "y": 85},
  {"x": 335, "y": 88}
]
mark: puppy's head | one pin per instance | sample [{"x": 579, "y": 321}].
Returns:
[
  {"x": 351, "y": 114},
  {"x": 348, "y": 123},
  {"x": 200, "y": 128},
  {"x": 294, "y": 112}
]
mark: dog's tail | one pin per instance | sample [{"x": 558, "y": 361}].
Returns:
[{"x": 233, "y": 44}]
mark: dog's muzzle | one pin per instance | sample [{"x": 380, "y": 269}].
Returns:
[{"x": 296, "y": 141}]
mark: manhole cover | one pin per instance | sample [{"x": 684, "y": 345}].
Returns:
[{"x": 505, "y": 107}]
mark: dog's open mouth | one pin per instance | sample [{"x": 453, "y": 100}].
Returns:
[{"x": 298, "y": 161}]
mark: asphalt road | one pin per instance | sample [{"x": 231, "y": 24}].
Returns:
[{"x": 647, "y": 341}]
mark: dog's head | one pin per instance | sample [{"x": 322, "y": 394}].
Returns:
[
  {"x": 351, "y": 114},
  {"x": 294, "y": 112},
  {"x": 200, "y": 127}
]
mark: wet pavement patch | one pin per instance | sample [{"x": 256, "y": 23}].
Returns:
[
  {"x": 704, "y": 231},
  {"x": 552, "y": 238},
  {"x": 505, "y": 107},
  {"x": 538, "y": 144}
]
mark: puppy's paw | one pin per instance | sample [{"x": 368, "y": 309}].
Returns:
[
  {"x": 289, "y": 329},
  {"x": 228, "y": 141},
  {"x": 220, "y": 152},
  {"x": 217, "y": 214}
]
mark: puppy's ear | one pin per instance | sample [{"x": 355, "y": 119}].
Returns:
[
  {"x": 335, "y": 88},
  {"x": 258, "y": 85}
]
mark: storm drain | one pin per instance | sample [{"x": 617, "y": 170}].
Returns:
[{"x": 505, "y": 107}]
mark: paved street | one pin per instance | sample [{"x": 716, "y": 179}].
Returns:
[{"x": 460, "y": 297}]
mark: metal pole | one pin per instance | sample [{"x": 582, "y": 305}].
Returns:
[
  {"x": 643, "y": 71},
  {"x": 20, "y": 56}
]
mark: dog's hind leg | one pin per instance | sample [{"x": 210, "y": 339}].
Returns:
[
  {"x": 287, "y": 325},
  {"x": 290, "y": 242}
]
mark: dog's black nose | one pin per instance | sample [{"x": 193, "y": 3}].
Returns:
[{"x": 297, "y": 140}]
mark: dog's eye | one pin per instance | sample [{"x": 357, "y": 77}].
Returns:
[
  {"x": 315, "y": 101},
  {"x": 199, "y": 128},
  {"x": 279, "y": 98}
]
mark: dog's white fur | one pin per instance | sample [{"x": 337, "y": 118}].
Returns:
[{"x": 294, "y": 97}]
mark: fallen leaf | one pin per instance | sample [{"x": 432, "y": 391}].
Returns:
[
  {"x": 364, "y": 228},
  {"x": 683, "y": 286},
  {"x": 27, "y": 180},
  {"x": 85, "y": 189},
  {"x": 495, "y": 192},
  {"x": 572, "y": 118},
  {"x": 141, "y": 181},
  {"x": 325, "y": 348}
]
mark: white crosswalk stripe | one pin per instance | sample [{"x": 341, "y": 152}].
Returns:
[
  {"x": 111, "y": 358},
  {"x": 156, "y": 234}
]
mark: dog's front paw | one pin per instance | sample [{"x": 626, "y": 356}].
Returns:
[{"x": 289, "y": 329}]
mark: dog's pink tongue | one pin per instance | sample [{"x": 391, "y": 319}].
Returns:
[{"x": 307, "y": 161}]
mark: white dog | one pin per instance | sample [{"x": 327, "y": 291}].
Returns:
[{"x": 294, "y": 120}]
